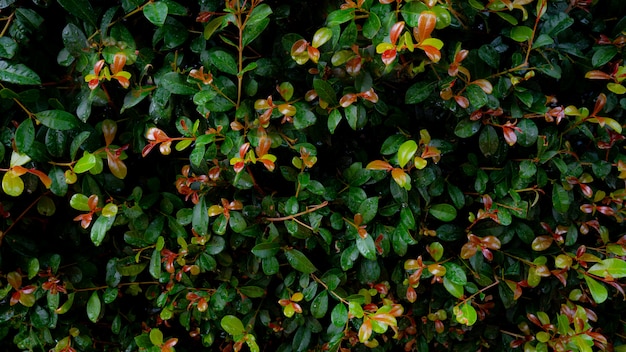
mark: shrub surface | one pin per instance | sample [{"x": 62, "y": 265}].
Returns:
[{"x": 312, "y": 176}]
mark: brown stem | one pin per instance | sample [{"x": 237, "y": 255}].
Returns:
[
  {"x": 17, "y": 220},
  {"x": 290, "y": 217}
]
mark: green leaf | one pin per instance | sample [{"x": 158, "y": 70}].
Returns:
[
  {"x": 419, "y": 91},
  {"x": 223, "y": 61},
  {"x": 80, "y": 202},
  {"x": 609, "y": 268},
  {"x": 18, "y": 74},
  {"x": 529, "y": 132},
  {"x": 8, "y": 47},
  {"x": 366, "y": 246},
  {"x": 443, "y": 212},
  {"x": 177, "y": 84},
  {"x": 85, "y": 163},
  {"x": 597, "y": 289},
  {"x": 339, "y": 16},
  {"x": 319, "y": 306},
  {"x": 453, "y": 288},
  {"x": 266, "y": 250},
  {"x": 371, "y": 26},
  {"x": 477, "y": 97},
  {"x": 368, "y": 209},
  {"x": 94, "y": 306},
  {"x": 521, "y": 33},
  {"x": 455, "y": 273},
  {"x": 57, "y": 119},
  {"x": 200, "y": 219},
  {"x": 411, "y": 12},
  {"x": 212, "y": 26},
  {"x": 100, "y": 228},
  {"x": 25, "y": 136},
  {"x": 299, "y": 261},
  {"x": 560, "y": 199},
  {"x": 505, "y": 16},
  {"x": 465, "y": 313},
  {"x": 489, "y": 55},
  {"x": 81, "y": 9},
  {"x": 603, "y": 55},
  {"x": 232, "y": 325},
  {"x": 131, "y": 269},
  {"x": 488, "y": 141},
  {"x": 155, "y": 264},
  {"x": 325, "y": 92},
  {"x": 543, "y": 40},
  {"x": 257, "y": 22},
  {"x": 333, "y": 120},
  {"x": 156, "y": 337},
  {"x": 252, "y": 291},
  {"x": 406, "y": 152},
  {"x": 467, "y": 128},
  {"x": 339, "y": 315},
  {"x": 156, "y": 12},
  {"x": 303, "y": 117}
]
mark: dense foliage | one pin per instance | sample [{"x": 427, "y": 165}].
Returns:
[{"x": 297, "y": 175}]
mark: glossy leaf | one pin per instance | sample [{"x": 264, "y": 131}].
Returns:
[
  {"x": 299, "y": 261},
  {"x": 443, "y": 212},
  {"x": 57, "y": 119},
  {"x": 597, "y": 290},
  {"x": 406, "y": 152},
  {"x": 94, "y": 307},
  {"x": 609, "y": 268},
  {"x": 232, "y": 325},
  {"x": 156, "y": 12},
  {"x": 18, "y": 74}
]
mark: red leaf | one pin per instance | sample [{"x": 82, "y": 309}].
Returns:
[{"x": 395, "y": 32}]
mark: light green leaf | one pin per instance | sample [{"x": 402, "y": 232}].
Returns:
[
  {"x": 521, "y": 33},
  {"x": 406, "y": 152},
  {"x": 232, "y": 325},
  {"x": 609, "y": 268},
  {"x": 598, "y": 291},
  {"x": 100, "y": 228},
  {"x": 465, "y": 314}
]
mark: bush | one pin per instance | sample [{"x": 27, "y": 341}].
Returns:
[{"x": 294, "y": 175}]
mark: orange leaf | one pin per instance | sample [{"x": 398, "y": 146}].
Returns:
[
  {"x": 365, "y": 331},
  {"x": 425, "y": 25},
  {"x": 385, "y": 318},
  {"x": 379, "y": 165},
  {"x": 600, "y": 102},
  {"x": 595, "y": 74},
  {"x": 433, "y": 53},
  {"x": 42, "y": 177},
  {"x": 119, "y": 61},
  {"x": 395, "y": 32}
]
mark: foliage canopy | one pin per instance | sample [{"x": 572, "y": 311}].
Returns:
[{"x": 294, "y": 175}]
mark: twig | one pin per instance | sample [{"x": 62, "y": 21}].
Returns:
[{"x": 290, "y": 217}]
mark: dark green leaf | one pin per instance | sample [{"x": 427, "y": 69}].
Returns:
[
  {"x": 371, "y": 26},
  {"x": 411, "y": 12},
  {"x": 419, "y": 91},
  {"x": 603, "y": 55},
  {"x": 303, "y": 117},
  {"x": 299, "y": 261},
  {"x": 100, "y": 227},
  {"x": 8, "y": 47},
  {"x": 488, "y": 141},
  {"x": 368, "y": 209},
  {"x": 25, "y": 136},
  {"x": 200, "y": 219},
  {"x": 489, "y": 55},
  {"x": 325, "y": 92},
  {"x": 319, "y": 306},
  {"x": 177, "y": 84},
  {"x": 477, "y": 97},
  {"x": 333, "y": 120},
  {"x": 223, "y": 61},
  {"x": 18, "y": 74},
  {"x": 467, "y": 128},
  {"x": 560, "y": 198},
  {"x": 443, "y": 212},
  {"x": 81, "y": 9},
  {"x": 57, "y": 119},
  {"x": 155, "y": 264},
  {"x": 339, "y": 16},
  {"x": 366, "y": 247},
  {"x": 266, "y": 250},
  {"x": 74, "y": 39},
  {"x": 252, "y": 291},
  {"x": 257, "y": 23},
  {"x": 529, "y": 132},
  {"x": 156, "y": 12}
]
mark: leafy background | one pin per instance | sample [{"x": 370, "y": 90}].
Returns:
[{"x": 293, "y": 176}]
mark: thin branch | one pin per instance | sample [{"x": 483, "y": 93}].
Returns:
[{"x": 290, "y": 217}]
